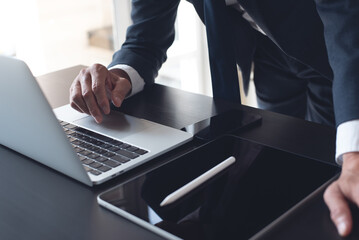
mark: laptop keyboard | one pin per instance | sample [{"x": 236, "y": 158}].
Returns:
[{"x": 99, "y": 153}]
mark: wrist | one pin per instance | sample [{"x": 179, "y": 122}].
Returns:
[
  {"x": 351, "y": 161},
  {"x": 120, "y": 73}
]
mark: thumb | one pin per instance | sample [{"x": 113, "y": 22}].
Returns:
[
  {"x": 339, "y": 209},
  {"x": 121, "y": 88}
]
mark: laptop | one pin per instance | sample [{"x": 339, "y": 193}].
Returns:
[{"x": 72, "y": 142}]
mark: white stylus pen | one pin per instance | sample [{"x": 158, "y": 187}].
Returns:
[{"x": 197, "y": 181}]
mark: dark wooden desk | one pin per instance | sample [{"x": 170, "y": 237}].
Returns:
[{"x": 39, "y": 203}]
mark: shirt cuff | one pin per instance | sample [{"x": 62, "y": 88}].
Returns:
[
  {"x": 347, "y": 139},
  {"x": 137, "y": 81}
]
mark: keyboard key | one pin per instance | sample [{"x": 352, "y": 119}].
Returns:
[
  {"x": 82, "y": 130},
  {"x": 108, "y": 154},
  {"x": 95, "y": 165},
  {"x": 78, "y": 150},
  {"x": 124, "y": 145},
  {"x": 76, "y": 142},
  {"x": 106, "y": 146},
  {"x": 99, "y": 136},
  {"x": 87, "y": 161},
  {"x": 97, "y": 143},
  {"x": 84, "y": 138},
  {"x": 141, "y": 151},
  {"x": 115, "y": 142},
  {"x": 71, "y": 139},
  {"x": 121, "y": 159},
  {"x": 112, "y": 163},
  {"x": 95, "y": 172},
  {"x": 87, "y": 168},
  {"x": 81, "y": 157},
  {"x": 104, "y": 168},
  {"x": 92, "y": 148},
  {"x": 68, "y": 131},
  {"x": 103, "y": 138},
  {"x": 71, "y": 126},
  {"x": 63, "y": 123},
  {"x": 75, "y": 135},
  {"x": 127, "y": 154},
  {"x": 132, "y": 149},
  {"x": 114, "y": 149},
  {"x": 101, "y": 151},
  {"x": 92, "y": 155},
  {"x": 85, "y": 145},
  {"x": 101, "y": 159},
  {"x": 85, "y": 153},
  {"x": 93, "y": 134}
]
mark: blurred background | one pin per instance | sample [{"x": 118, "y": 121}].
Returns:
[{"x": 50, "y": 35}]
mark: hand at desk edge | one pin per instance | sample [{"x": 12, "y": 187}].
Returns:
[{"x": 343, "y": 190}]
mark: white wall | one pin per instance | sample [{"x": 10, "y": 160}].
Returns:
[{"x": 52, "y": 34}]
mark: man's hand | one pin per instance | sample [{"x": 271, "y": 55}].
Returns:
[
  {"x": 94, "y": 88},
  {"x": 345, "y": 189}
]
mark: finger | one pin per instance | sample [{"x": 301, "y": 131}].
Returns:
[
  {"x": 339, "y": 209},
  {"x": 74, "y": 106},
  {"x": 89, "y": 98},
  {"x": 349, "y": 178},
  {"x": 99, "y": 75},
  {"x": 120, "y": 91},
  {"x": 76, "y": 100}
]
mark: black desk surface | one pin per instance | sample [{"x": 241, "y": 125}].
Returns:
[{"x": 38, "y": 203}]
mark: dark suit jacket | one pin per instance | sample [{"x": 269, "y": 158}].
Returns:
[{"x": 295, "y": 26}]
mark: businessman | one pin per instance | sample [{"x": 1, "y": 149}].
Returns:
[{"x": 305, "y": 56}]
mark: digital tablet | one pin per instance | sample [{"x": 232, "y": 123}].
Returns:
[
  {"x": 231, "y": 121},
  {"x": 235, "y": 202}
]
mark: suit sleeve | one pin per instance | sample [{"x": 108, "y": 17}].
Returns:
[
  {"x": 340, "y": 19},
  {"x": 149, "y": 37}
]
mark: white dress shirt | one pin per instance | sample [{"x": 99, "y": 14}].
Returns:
[
  {"x": 137, "y": 81},
  {"x": 347, "y": 133}
]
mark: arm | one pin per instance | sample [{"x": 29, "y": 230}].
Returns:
[
  {"x": 149, "y": 37},
  {"x": 144, "y": 50},
  {"x": 340, "y": 19}
]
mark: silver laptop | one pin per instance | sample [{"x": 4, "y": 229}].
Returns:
[{"x": 71, "y": 142}]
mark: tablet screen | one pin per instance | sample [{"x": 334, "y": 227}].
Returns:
[{"x": 237, "y": 202}]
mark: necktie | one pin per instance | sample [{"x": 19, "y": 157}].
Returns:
[{"x": 220, "y": 39}]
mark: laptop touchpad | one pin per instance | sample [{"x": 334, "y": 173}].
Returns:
[{"x": 116, "y": 124}]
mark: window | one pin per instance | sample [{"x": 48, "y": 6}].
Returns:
[{"x": 56, "y": 34}]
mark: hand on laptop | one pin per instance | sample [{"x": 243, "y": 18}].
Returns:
[
  {"x": 94, "y": 88},
  {"x": 345, "y": 189}
]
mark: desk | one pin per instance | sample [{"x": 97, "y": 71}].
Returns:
[{"x": 39, "y": 203}]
